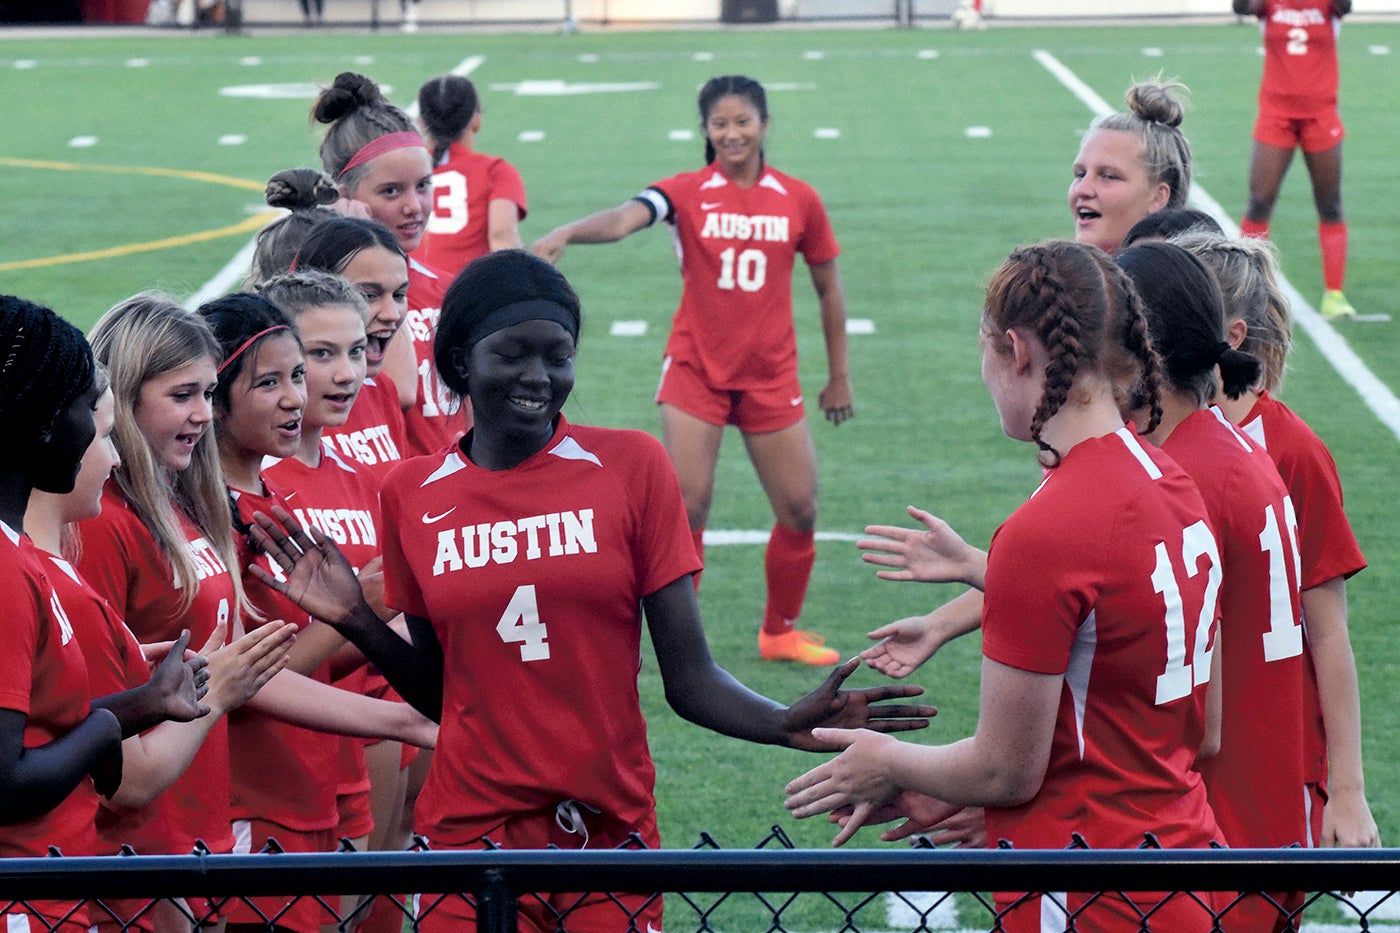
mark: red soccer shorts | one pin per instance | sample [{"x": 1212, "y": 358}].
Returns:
[
  {"x": 761, "y": 410},
  {"x": 1316, "y": 133}
]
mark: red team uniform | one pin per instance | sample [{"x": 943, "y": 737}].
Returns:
[
  {"x": 1255, "y": 781},
  {"x": 1298, "y": 93},
  {"x": 284, "y": 776},
  {"x": 126, "y": 566},
  {"x": 533, "y": 578},
  {"x": 44, "y": 676},
  {"x": 733, "y": 334},
  {"x": 374, "y": 435},
  {"x": 1326, "y": 545},
  {"x": 464, "y": 185},
  {"x": 436, "y": 418},
  {"x": 1108, "y": 575}
]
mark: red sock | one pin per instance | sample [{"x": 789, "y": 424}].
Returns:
[
  {"x": 1258, "y": 229},
  {"x": 787, "y": 564},
  {"x": 1333, "y": 240},
  {"x": 699, "y": 538}
]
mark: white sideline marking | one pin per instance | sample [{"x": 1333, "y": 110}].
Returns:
[
  {"x": 1378, "y": 49},
  {"x": 860, "y": 325},
  {"x": 1374, "y": 393},
  {"x": 628, "y": 328},
  {"x": 935, "y": 910},
  {"x": 250, "y": 61},
  {"x": 137, "y": 62},
  {"x": 531, "y": 136},
  {"x": 588, "y": 58},
  {"x": 232, "y": 139},
  {"x": 704, "y": 56},
  {"x": 680, "y": 136},
  {"x": 82, "y": 142},
  {"x": 737, "y": 536},
  {"x": 814, "y": 55},
  {"x": 928, "y": 53},
  {"x": 977, "y": 132},
  {"x": 1367, "y": 901},
  {"x": 24, "y": 64},
  {"x": 369, "y": 60},
  {"x": 826, "y": 132},
  {"x": 1152, "y": 52},
  {"x": 555, "y": 87}
]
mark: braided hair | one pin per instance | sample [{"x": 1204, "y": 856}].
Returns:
[
  {"x": 1089, "y": 320},
  {"x": 358, "y": 114},
  {"x": 45, "y": 365}
]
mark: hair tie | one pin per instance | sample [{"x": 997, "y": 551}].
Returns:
[
  {"x": 1221, "y": 349},
  {"x": 248, "y": 343},
  {"x": 380, "y": 145}
]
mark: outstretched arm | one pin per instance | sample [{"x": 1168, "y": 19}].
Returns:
[
  {"x": 904, "y": 645},
  {"x": 701, "y": 691},
  {"x": 606, "y": 226},
  {"x": 837, "y": 399},
  {"x": 937, "y": 554},
  {"x": 320, "y": 580},
  {"x": 173, "y": 692},
  {"x": 503, "y": 224}
]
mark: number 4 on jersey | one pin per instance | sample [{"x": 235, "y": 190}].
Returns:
[{"x": 521, "y": 623}]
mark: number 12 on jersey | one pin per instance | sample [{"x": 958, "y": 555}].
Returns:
[{"x": 1184, "y": 673}]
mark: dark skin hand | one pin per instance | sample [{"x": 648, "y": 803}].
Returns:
[
  {"x": 173, "y": 693},
  {"x": 320, "y": 580},
  {"x": 35, "y": 780}
]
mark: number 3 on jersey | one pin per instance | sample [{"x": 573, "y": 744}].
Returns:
[
  {"x": 521, "y": 623},
  {"x": 1182, "y": 674}
]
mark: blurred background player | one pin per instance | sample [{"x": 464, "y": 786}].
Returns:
[
  {"x": 478, "y": 199},
  {"x": 1298, "y": 110},
  {"x": 732, "y": 354}
]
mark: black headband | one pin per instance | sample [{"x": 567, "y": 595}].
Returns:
[{"x": 534, "y": 309}]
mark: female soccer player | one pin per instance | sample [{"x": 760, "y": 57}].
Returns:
[
  {"x": 58, "y": 750},
  {"x": 732, "y": 354},
  {"x": 1130, "y": 164},
  {"x": 1259, "y": 324},
  {"x": 377, "y": 157},
  {"x": 366, "y": 253},
  {"x": 1255, "y": 780},
  {"x": 1298, "y": 110},
  {"x": 478, "y": 199},
  {"x": 286, "y": 754},
  {"x": 524, "y": 558},
  {"x": 1089, "y": 722}
]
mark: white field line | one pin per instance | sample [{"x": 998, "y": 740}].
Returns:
[
  {"x": 1374, "y": 393},
  {"x": 237, "y": 267}
]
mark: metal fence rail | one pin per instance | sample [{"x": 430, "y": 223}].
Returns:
[{"x": 846, "y": 889}]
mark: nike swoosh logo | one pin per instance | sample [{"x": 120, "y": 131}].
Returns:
[
  {"x": 796, "y": 401},
  {"x": 431, "y": 519},
  {"x": 709, "y": 206}
]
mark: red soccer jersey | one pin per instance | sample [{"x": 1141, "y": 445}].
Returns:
[
  {"x": 464, "y": 185},
  {"x": 1256, "y": 780},
  {"x": 374, "y": 435},
  {"x": 1327, "y": 546},
  {"x": 1300, "y": 57},
  {"x": 437, "y": 418},
  {"x": 737, "y": 248},
  {"x": 44, "y": 676},
  {"x": 533, "y": 579},
  {"x": 281, "y": 773},
  {"x": 1108, "y": 576},
  {"x": 342, "y": 500},
  {"x": 124, "y": 564}
]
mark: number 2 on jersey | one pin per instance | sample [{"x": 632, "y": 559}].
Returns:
[
  {"x": 1182, "y": 674},
  {"x": 521, "y": 623}
]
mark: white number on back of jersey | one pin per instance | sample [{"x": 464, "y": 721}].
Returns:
[
  {"x": 521, "y": 623},
  {"x": 1284, "y": 639},
  {"x": 749, "y": 272},
  {"x": 1297, "y": 41},
  {"x": 1182, "y": 675},
  {"x": 449, "y": 195}
]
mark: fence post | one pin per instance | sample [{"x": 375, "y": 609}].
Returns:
[{"x": 496, "y": 909}]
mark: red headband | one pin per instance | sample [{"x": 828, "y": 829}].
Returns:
[
  {"x": 248, "y": 343},
  {"x": 377, "y": 147}
]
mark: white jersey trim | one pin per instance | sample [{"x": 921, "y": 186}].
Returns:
[
  {"x": 570, "y": 449},
  {"x": 768, "y": 181},
  {"x": 10, "y": 533},
  {"x": 415, "y": 264},
  {"x": 452, "y": 463},
  {"x": 1239, "y": 435},
  {"x": 1135, "y": 448},
  {"x": 1255, "y": 431},
  {"x": 1081, "y": 662}
]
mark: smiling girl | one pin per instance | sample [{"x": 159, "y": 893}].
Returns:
[
  {"x": 375, "y": 154},
  {"x": 732, "y": 354}
]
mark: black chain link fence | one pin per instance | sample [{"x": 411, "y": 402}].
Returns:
[{"x": 774, "y": 887}]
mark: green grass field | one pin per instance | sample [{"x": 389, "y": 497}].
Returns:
[{"x": 924, "y": 211}]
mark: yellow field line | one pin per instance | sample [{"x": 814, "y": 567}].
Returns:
[{"x": 256, "y": 222}]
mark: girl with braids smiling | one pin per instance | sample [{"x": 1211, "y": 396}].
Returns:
[{"x": 1087, "y": 724}]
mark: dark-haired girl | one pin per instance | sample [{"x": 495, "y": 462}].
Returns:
[
  {"x": 524, "y": 558},
  {"x": 732, "y": 354},
  {"x": 1098, "y": 618},
  {"x": 1255, "y": 780},
  {"x": 478, "y": 199},
  {"x": 381, "y": 165},
  {"x": 365, "y": 253}
]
